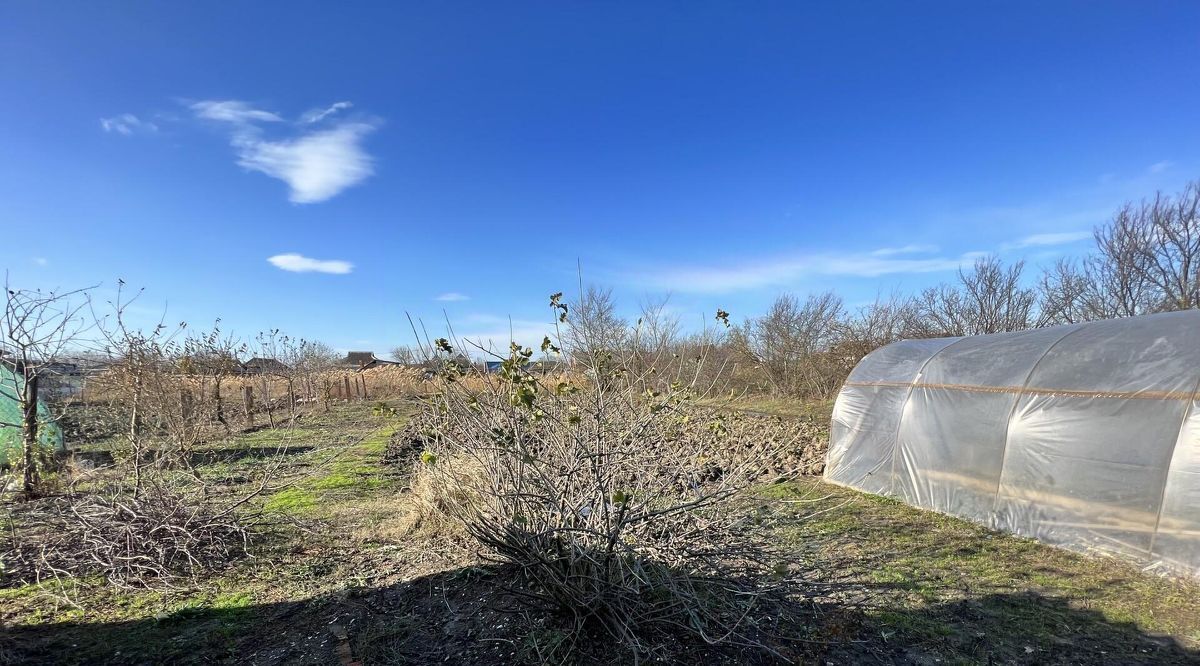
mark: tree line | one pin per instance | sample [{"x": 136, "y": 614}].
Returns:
[{"x": 1146, "y": 259}]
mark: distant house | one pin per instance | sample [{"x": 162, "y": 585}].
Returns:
[
  {"x": 364, "y": 360},
  {"x": 264, "y": 366}
]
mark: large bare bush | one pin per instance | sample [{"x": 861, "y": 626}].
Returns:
[{"x": 602, "y": 496}]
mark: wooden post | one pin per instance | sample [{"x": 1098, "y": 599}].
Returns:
[
  {"x": 248, "y": 403},
  {"x": 186, "y": 405},
  {"x": 346, "y": 381}
]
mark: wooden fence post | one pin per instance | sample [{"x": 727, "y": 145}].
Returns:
[
  {"x": 186, "y": 405},
  {"x": 248, "y": 403}
]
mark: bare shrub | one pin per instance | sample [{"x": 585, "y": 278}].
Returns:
[
  {"x": 151, "y": 540},
  {"x": 601, "y": 496}
]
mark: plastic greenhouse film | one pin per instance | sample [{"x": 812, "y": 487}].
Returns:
[{"x": 1084, "y": 436}]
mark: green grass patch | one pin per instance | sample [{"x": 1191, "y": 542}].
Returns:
[
  {"x": 291, "y": 500},
  {"x": 936, "y": 576},
  {"x": 358, "y": 470}
]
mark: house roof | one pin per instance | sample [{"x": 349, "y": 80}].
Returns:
[
  {"x": 358, "y": 358},
  {"x": 363, "y": 360},
  {"x": 264, "y": 365}
]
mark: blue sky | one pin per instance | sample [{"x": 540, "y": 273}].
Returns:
[{"x": 466, "y": 157}]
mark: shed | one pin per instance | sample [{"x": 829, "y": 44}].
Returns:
[
  {"x": 363, "y": 360},
  {"x": 50, "y": 434},
  {"x": 1084, "y": 436},
  {"x": 264, "y": 366}
]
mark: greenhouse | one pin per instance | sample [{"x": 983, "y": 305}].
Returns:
[{"x": 1085, "y": 436}]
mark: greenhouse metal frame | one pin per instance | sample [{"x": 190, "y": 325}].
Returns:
[{"x": 1085, "y": 436}]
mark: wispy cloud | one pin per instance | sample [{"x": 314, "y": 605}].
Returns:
[
  {"x": 298, "y": 263},
  {"x": 906, "y": 249},
  {"x": 317, "y": 164},
  {"x": 1159, "y": 167},
  {"x": 233, "y": 111},
  {"x": 127, "y": 124},
  {"x": 789, "y": 269},
  {"x": 452, "y": 296},
  {"x": 317, "y": 115},
  {"x": 1043, "y": 240},
  {"x": 41, "y": 261},
  {"x": 784, "y": 270}
]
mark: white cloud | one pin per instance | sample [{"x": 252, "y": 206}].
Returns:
[
  {"x": 232, "y": 111},
  {"x": 316, "y": 165},
  {"x": 788, "y": 269},
  {"x": 1042, "y": 240},
  {"x": 1159, "y": 167},
  {"x": 127, "y": 124},
  {"x": 298, "y": 263},
  {"x": 452, "y": 297},
  {"x": 784, "y": 270},
  {"x": 906, "y": 249},
  {"x": 317, "y": 115},
  {"x": 41, "y": 261}
]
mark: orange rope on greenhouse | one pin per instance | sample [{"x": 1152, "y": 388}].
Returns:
[{"x": 1021, "y": 390}]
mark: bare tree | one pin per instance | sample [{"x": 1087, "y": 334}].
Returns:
[
  {"x": 988, "y": 299},
  {"x": 595, "y": 329},
  {"x": 882, "y": 321},
  {"x": 879, "y": 323},
  {"x": 278, "y": 351},
  {"x": 653, "y": 341},
  {"x": 406, "y": 354},
  {"x": 137, "y": 373},
  {"x": 1120, "y": 268},
  {"x": 38, "y": 330},
  {"x": 214, "y": 358},
  {"x": 1147, "y": 260},
  {"x": 1068, "y": 293},
  {"x": 792, "y": 342},
  {"x": 1153, "y": 252},
  {"x": 657, "y": 327},
  {"x": 310, "y": 361}
]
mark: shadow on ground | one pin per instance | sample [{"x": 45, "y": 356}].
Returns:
[{"x": 463, "y": 617}]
